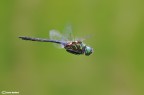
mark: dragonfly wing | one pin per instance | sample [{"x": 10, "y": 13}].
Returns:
[
  {"x": 68, "y": 35},
  {"x": 56, "y": 35},
  {"x": 79, "y": 39},
  {"x": 84, "y": 38}
]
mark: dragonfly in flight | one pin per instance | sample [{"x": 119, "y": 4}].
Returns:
[{"x": 67, "y": 42}]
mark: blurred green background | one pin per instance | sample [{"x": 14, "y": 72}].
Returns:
[{"x": 32, "y": 68}]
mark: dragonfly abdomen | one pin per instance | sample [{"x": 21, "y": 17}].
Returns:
[{"x": 41, "y": 40}]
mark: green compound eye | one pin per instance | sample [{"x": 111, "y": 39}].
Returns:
[{"x": 88, "y": 50}]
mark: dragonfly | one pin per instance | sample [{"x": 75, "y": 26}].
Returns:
[{"x": 66, "y": 41}]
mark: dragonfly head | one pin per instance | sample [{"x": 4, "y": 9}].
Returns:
[{"x": 88, "y": 50}]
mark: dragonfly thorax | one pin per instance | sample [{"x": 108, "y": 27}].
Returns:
[{"x": 77, "y": 47}]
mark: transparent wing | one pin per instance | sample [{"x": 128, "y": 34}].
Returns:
[
  {"x": 68, "y": 35},
  {"x": 56, "y": 35},
  {"x": 84, "y": 38}
]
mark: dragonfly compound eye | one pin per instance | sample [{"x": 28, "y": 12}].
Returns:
[{"x": 88, "y": 50}]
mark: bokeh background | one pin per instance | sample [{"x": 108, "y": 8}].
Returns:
[{"x": 116, "y": 30}]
